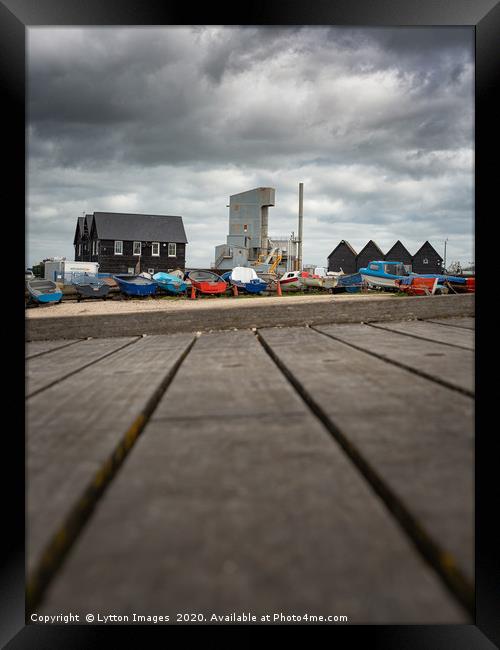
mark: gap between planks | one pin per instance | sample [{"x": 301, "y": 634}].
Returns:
[
  {"x": 442, "y": 562},
  {"x": 80, "y": 368},
  {"x": 78, "y": 515},
  {"x": 399, "y": 364},
  {"x": 53, "y": 349},
  {"x": 418, "y": 336}
]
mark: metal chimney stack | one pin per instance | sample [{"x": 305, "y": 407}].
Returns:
[{"x": 301, "y": 218}]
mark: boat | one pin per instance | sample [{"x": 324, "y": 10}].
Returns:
[
  {"x": 170, "y": 283},
  {"x": 291, "y": 280},
  {"x": 457, "y": 283},
  {"x": 207, "y": 282},
  {"x": 90, "y": 286},
  {"x": 350, "y": 283},
  {"x": 330, "y": 278},
  {"x": 311, "y": 280},
  {"x": 383, "y": 274},
  {"x": 419, "y": 286},
  {"x": 135, "y": 285},
  {"x": 183, "y": 276},
  {"x": 244, "y": 277},
  {"x": 42, "y": 292}
]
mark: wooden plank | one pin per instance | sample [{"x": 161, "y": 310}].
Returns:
[
  {"x": 467, "y": 322},
  {"x": 416, "y": 435},
  {"x": 34, "y": 348},
  {"x": 48, "y": 369},
  {"x": 448, "y": 365},
  {"x": 235, "y": 498},
  {"x": 451, "y": 336},
  {"x": 73, "y": 427}
]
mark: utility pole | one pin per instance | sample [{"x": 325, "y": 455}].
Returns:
[
  {"x": 301, "y": 218},
  {"x": 444, "y": 261}
]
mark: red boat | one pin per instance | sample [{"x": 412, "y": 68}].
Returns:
[
  {"x": 417, "y": 286},
  {"x": 207, "y": 282}
]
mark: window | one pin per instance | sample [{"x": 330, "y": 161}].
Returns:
[
  {"x": 118, "y": 247},
  {"x": 79, "y": 249},
  {"x": 374, "y": 267},
  {"x": 131, "y": 270},
  {"x": 155, "y": 248},
  {"x": 172, "y": 250},
  {"x": 425, "y": 261},
  {"x": 151, "y": 271},
  {"x": 137, "y": 248}
]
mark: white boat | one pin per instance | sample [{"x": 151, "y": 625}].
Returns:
[
  {"x": 291, "y": 280},
  {"x": 383, "y": 274},
  {"x": 320, "y": 279}
]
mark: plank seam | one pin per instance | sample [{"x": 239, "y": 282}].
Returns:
[
  {"x": 87, "y": 365},
  {"x": 63, "y": 539},
  {"x": 435, "y": 322},
  {"x": 441, "y": 561},
  {"x": 400, "y": 364},
  {"x": 418, "y": 336},
  {"x": 66, "y": 345}
]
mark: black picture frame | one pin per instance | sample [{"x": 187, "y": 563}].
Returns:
[{"x": 18, "y": 15}]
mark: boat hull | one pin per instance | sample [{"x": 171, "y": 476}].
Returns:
[
  {"x": 378, "y": 281},
  {"x": 100, "y": 290},
  {"x": 293, "y": 283},
  {"x": 209, "y": 287},
  {"x": 43, "y": 291},
  {"x": 172, "y": 284},
  {"x": 207, "y": 282},
  {"x": 250, "y": 287},
  {"x": 136, "y": 285}
]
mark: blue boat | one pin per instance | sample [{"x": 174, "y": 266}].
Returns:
[
  {"x": 351, "y": 283},
  {"x": 244, "y": 277},
  {"x": 135, "y": 285},
  {"x": 170, "y": 283},
  {"x": 42, "y": 292},
  {"x": 389, "y": 275},
  {"x": 383, "y": 274}
]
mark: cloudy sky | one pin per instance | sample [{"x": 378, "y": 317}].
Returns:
[{"x": 378, "y": 123}]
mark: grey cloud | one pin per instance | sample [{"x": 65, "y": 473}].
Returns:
[{"x": 111, "y": 110}]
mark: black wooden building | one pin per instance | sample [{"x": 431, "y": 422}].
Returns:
[
  {"x": 367, "y": 254},
  {"x": 399, "y": 253},
  {"x": 343, "y": 258},
  {"x": 126, "y": 243},
  {"x": 427, "y": 260}
]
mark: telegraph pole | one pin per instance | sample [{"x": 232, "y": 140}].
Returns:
[{"x": 444, "y": 261}]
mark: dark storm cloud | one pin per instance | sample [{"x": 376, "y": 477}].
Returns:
[{"x": 378, "y": 122}]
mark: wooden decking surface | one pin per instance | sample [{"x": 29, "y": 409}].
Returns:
[{"x": 324, "y": 469}]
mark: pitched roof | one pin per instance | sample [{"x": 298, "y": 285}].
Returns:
[
  {"x": 398, "y": 246},
  {"x": 140, "y": 227},
  {"x": 370, "y": 243},
  {"x": 345, "y": 243},
  {"x": 427, "y": 244},
  {"x": 79, "y": 228}
]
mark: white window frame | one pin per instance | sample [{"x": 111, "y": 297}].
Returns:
[
  {"x": 153, "y": 244},
  {"x": 425, "y": 260},
  {"x": 151, "y": 271},
  {"x": 119, "y": 241},
  {"x": 140, "y": 247},
  {"x": 174, "y": 254}
]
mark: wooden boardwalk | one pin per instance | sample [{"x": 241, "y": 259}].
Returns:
[{"x": 326, "y": 470}]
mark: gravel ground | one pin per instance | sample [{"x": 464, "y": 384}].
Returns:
[{"x": 139, "y": 305}]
